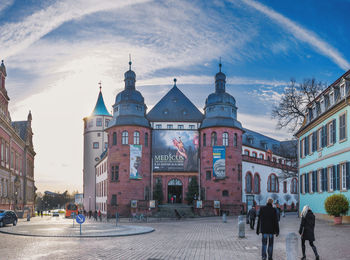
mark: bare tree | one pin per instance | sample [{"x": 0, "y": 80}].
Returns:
[
  {"x": 288, "y": 150},
  {"x": 290, "y": 112},
  {"x": 275, "y": 197}
]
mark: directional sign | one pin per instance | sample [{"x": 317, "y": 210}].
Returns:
[{"x": 80, "y": 219}]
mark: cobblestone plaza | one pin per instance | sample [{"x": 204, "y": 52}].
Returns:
[{"x": 199, "y": 238}]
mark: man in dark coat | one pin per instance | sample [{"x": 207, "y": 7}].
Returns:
[
  {"x": 252, "y": 216},
  {"x": 268, "y": 226},
  {"x": 306, "y": 230}
]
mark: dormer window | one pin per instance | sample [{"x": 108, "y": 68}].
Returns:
[
  {"x": 342, "y": 91},
  {"x": 331, "y": 98},
  {"x": 322, "y": 107}
]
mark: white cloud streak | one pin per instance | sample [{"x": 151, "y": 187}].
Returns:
[
  {"x": 302, "y": 34},
  {"x": 15, "y": 37}
]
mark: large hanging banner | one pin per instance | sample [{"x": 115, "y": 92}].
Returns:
[
  {"x": 219, "y": 162},
  {"x": 135, "y": 161},
  {"x": 175, "y": 150}
]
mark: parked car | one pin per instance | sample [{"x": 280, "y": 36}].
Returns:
[
  {"x": 55, "y": 213},
  {"x": 7, "y": 217}
]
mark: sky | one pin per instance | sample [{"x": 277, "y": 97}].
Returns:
[{"x": 56, "y": 52}]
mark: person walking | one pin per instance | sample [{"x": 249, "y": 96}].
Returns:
[
  {"x": 252, "y": 216},
  {"x": 268, "y": 227},
  {"x": 95, "y": 215},
  {"x": 99, "y": 215},
  {"x": 306, "y": 230}
]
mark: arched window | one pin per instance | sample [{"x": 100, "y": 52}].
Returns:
[
  {"x": 114, "y": 138},
  {"x": 246, "y": 152},
  {"x": 125, "y": 137},
  {"x": 146, "y": 139},
  {"x": 272, "y": 183},
  {"x": 225, "y": 139},
  {"x": 136, "y": 137},
  {"x": 254, "y": 154},
  {"x": 256, "y": 184},
  {"x": 225, "y": 193},
  {"x": 213, "y": 139},
  {"x": 294, "y": 186},
  {"x": 261, "y": 156},
  {"x": 248, "y": 182},
  {"x": 235, "y": 140},
  {"x": 204, "y": 139}
]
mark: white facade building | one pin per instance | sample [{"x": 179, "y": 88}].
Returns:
[
  {"x": 101, "y": 184},
  {"x": 95, "y": 143}
]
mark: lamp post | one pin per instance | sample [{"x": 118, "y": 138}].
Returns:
[{"x": 16, "y": 193}]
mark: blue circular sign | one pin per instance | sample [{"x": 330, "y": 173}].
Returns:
[{"x": 80, "y": 219}]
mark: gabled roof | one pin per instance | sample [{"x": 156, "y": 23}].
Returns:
[
  {"x": 100, "y": 108},
  {"x": 175, "y": 107},
  {"x": 21, "y": 127},
  {"x": 265, "y": 143}
]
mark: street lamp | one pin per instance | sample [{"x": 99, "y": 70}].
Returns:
[{"x": 16, "y": 193}]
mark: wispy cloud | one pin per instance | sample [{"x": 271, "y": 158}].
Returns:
[
  {"x": 15, "y": 37},
  {"x": 4, "y": 4},
  {"x": 302, "y": 34}
]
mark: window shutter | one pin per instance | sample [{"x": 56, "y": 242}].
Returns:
[
  {"x": 316, "y": 181},
  {"x": 300, "y": 149},
  {"x": 348, "y": 175},
  {"x": 322, "y": 137},
  {"x": 334, "y": 131},
  {"x": 301, "y": 183},
  {"x": 307, "y": 145},
  {"x": 325, "y": 180},
  {"x": 314, "y": 141},
  {"x": 325, "y": 136},
  {"x": 337, "y": 178},
  {"x": 334, "y": 178},
  {"x": 307, "y": 183}
]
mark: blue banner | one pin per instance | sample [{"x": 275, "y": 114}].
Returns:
[
  {"x": 135, "y": 161},
  {"x": 219, "y": 162}
]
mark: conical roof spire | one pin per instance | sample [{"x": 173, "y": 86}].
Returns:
[{"x": 100, "y": 108}]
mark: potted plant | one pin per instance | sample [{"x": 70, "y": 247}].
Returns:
[{"x": 336, "y": 205}]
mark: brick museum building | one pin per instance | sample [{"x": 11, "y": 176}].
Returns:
[
  {"x": 130, "y": 154},
  {"x": 16, "y": 157}
]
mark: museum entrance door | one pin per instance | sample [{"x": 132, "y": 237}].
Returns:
[{"x": 175, "y": 191}]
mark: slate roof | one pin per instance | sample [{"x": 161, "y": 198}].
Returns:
[
  {"x": 259, "y": 141},
  {"x": 129, "y": 120},
  {"x": 175, "y": 107},
  {"x": 220, "y": 121},
  {"x": 100, "y": 108},
  {"x": 21, "y": 127}
]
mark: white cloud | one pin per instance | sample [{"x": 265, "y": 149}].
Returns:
[
  {"x": 15, "y": 37},
  {"x": 302, "y": 34}
]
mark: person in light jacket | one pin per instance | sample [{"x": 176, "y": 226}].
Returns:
[{"x": 306, "y": 230}]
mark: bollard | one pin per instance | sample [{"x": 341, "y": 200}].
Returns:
[
  {"x": 241, "y": 227},
  {"x": 292, "y": 246},
  {"x": 116, "y": 219},
  {"x": 224, "y": 218}
]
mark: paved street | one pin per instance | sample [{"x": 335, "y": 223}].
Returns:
[{"x": 206, "y": 238}]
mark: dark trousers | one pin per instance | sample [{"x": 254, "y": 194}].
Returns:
[
  {"x": 252, "y": 223},
  {"x": 265, "y": 238},
  {"x": 311, "y": 244}
]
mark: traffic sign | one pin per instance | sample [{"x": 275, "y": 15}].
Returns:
[{"x": 80, "y": 219}]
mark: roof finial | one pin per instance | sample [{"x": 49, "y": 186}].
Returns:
[
  {"x": 175, "y": 82},
  {"x": 130, "y": 61},
  {"x": 220, "y": 65},
  {"x": 100, "y": 83}
]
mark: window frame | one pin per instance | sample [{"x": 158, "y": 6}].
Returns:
[
  {"x": 344, "y": 114},
  {"x": 125, "y": 137},
  {"x": 137, "y": 137},
  {"x": 95, "y": 145},
  {"x": 225, "y": 139},
  {"x": 214, "y": 139}
]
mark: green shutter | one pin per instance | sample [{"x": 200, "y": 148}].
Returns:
[{"x": 334, "y": 131}]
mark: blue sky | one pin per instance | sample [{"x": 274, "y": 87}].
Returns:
[{"x": 56, "y": 52}]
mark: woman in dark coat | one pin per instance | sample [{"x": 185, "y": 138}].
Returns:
[{"x": 306, "y": 230}]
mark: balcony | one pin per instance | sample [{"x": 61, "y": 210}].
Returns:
[{"x": 278, "y": 165}]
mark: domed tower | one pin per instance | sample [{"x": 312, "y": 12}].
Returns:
[
  {"x": 95, "y": 143},
  {"x": 221, "y": 148},
  {"x": 129, "y": 143}
]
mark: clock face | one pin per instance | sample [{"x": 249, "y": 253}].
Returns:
[{"x": 97, "y": 159}]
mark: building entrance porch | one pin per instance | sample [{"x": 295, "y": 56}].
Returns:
[{"x": 175, "y": 191}]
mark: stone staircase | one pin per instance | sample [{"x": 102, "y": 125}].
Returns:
[{"x": 168, "y": 211}]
